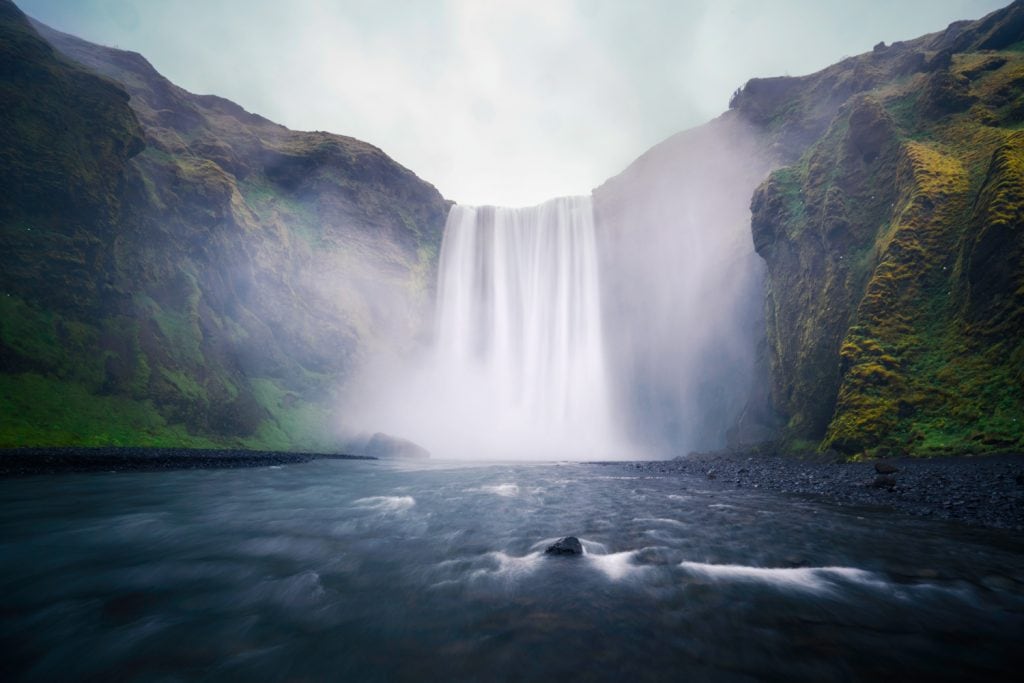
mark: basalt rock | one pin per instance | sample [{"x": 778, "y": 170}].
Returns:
[
  {"x": 569, "y": 545},
  {"x": 892, "y": 236}
]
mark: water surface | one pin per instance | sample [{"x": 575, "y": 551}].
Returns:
[{"x": 372, "y": 571}]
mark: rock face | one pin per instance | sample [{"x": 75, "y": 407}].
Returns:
[
  {"x": 385, "y": 446},
  {"x": 569, "y": 545},
  {"x": 893, "y": 239},
  {"x": 179, "y": 271}
]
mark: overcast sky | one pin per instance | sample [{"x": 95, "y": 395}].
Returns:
[{"x": 495, "y": 102}]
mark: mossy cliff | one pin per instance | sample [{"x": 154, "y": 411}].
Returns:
[
  {"x": 179, "y": 271},
  {"x": 894, "y": 242}
]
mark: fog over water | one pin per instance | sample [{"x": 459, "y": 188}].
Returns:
[
  {"x": 517, "y": 368},
  {"x": 557, "y": 338},
  {"x": 621, "y": 325},
  {"x": 683, "y": 287}
]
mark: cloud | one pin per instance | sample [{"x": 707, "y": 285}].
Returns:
[{"x": 504, "y": 102}]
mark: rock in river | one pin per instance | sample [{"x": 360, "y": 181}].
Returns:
[{"x": 570, "y": 545}]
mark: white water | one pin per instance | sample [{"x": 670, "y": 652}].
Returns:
[
  {"x": 517, "y": 367},
  {"x": 519, "y": 332}
]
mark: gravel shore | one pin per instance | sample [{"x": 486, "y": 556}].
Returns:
[
  {"x": 26, "y": 461},
  {"x": 980, "y": 490}
]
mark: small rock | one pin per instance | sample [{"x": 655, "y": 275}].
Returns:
[
  {"x": 883, "y": 467},
  {"x": 569, "y": 545},
  {"x": 712, "y": 475}
]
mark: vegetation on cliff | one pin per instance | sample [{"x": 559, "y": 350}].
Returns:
[
  {"x": 178, "y": 271},
  {"x": 894, "y": 237}
]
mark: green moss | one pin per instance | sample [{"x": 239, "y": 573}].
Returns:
[
  {"x": 139, "y": 387},
  {"x": 294, "y": 424},
  {"x": 41, "y": 411},
  {"x": 902, "y": 274},
  {"x": 180, "y": 328},
  {"x": 186, "y": 386},
  {"x": 29, "y": 332}
]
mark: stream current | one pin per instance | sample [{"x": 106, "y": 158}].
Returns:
[{"x": 375, "y": 571}]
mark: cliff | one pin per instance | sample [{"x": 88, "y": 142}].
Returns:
[
  {"x": 837, "y": 262},
  {"x": 893, "y": 239},
  {"x": 180, "y": 271}
]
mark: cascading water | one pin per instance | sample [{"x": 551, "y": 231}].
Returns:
[
  {"x": 519, "y": 322},
  {"x": 617, "y": 325},
  {"x": 517, "y": 368}
]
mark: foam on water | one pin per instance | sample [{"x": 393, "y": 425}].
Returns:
[
  {"x": 814, "y": 579},
  {"x": 661, "y": 520},
  {"x": 500, "y": 564},
  {"x": 368, "y": 571},
  {"x": 505, "y": 490},
  {"x": 386, "y": 503},
  {"x": 616, "y": 566}
]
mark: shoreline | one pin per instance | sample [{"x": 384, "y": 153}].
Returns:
[
  {"x": 30, "y": 461},
  {"x": 985, "y": 491}
]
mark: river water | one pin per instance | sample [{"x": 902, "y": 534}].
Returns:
[{"x": 372, "y": 571}]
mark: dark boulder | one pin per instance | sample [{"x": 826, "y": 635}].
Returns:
[
  {"x": 570, "y": 545},
  {"x": 883, "y": 467}
]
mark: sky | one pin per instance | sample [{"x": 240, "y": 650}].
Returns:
[{"x": 495, "y": 102}]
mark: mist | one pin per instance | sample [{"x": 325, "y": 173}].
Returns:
[
  {"x": 510, "y": 97},
  {"x": 683, "y": 286},
  {"x": 517, "y": 367},
  {"x": 616, "y": 326}
]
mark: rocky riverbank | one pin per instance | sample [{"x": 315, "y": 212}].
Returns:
[
  {"x": 982, "y": 490},
  {"x": 26, "y": 461}
]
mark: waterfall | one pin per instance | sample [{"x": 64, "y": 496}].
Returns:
[{"x": 518, "y": 344}]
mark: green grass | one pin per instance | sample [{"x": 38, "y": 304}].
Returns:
[
  {"x": 294, "y": 425},
  {"x": 28, "y": 331},
  {"x": 42, "y": 411},
  {"x": 179, "y": 328}
]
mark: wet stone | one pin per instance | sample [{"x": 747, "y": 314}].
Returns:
[{"x": 569, "y": 545}]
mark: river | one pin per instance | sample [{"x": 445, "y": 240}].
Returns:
[{"x": 375, "y": 571}]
